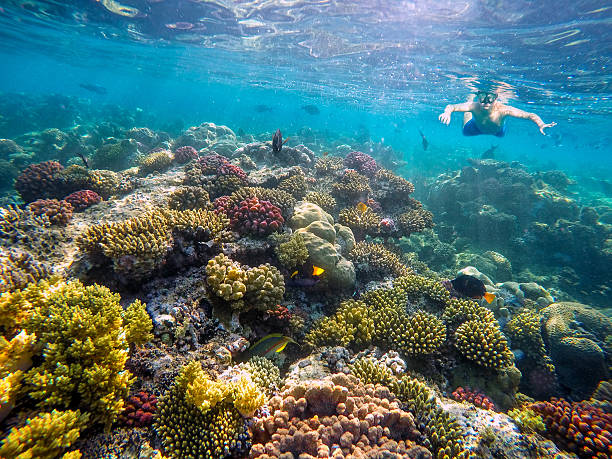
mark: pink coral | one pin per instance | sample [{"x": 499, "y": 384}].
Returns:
[
  {"x": 38, "y": 181},
  {"x": 253, "y": 216},
  {"x": 230, "y": 169},
  {"x": 58, "y": 212},
  {"x": 139, "y": 410},
  {"x": 210, "y": 164},
  {"x": 83, "y": 199},
  {"x": 185, "y": 154},
  {"x": 361, "y": 162},
  {"x": 475, "y": 397},
  {"x": 222, "y": 205}
]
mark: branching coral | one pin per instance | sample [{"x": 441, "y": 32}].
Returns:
[
  {"x": 294, "y": 185},
  {"x": 418, "y": 287},
  {"x": 263, "y": 373},
  {"x": 392, "y": 186},
  {"x": 18, "y": 268},
  {"x": 415, "y": 221},
  {"x": 197, "y": 417},
  {"x": 525, "y": 333},
  {"x": 527, "y": 420},
  {"x": 328, "y": 165},
  {"x": 157, "y": 160},
  {"x": 292, "y": 253},
  {"x": 361, "y": 162},
  {"x": 421, "y": 333},
  {"x": 278, "y": 198},
  {"x": 484, "y": 344},
  {"x": 185, "y": 154},
  {"x": 375, "y": 258},
  {"x": 475, "y": 397},
  {"x": 139, "y": 410},
  {"x": 188, "y": 197},
  {"x": 44, "y": 436},
  {"x": 216, "y": 174},
  {"x": 361, "y": 222},
  {"x": 242, "y": 287},
  {"x": 352, "y": 187},
  {"x": 324, "y": 200},
  {"x": 58, "y": 212},
  {"x": 351, "y": 324}
]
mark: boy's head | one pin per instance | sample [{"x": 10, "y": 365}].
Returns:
[{"x": 486, "y": 98}]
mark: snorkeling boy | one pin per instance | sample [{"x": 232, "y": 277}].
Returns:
[{"x": 484, "y": 114}]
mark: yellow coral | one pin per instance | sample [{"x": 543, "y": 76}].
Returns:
[
  {"x": 370, "y": 256},
  {"x": 417, "y": 287},
  {"x": 155, "y": 162},
  {"x": 294, "y": 185},
  {"x": 247, "y": 396},
  {"x": 324, "y": 200},
  {"x": 361, "y": 222},
  {"x": 484, "y": 344},
  {"x": 292, "y": 253},
  {"x": 352, "y": 323}
]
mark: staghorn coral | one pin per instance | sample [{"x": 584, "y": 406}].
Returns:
[
  {"x": 362, "y": 223},
  {"x": 38, "y": 181},
  {"x": 44, "y": 436},
  {"x": 351, "y": 324},
  {"x": 375, "y": 258},
  {"x": 139, "y": 410},
  {"x": 475, "y": 397},
  {"x": 156, "y": 160},
  {"x": 263, "y": 373},
  {"x": 415, "y": 221},
  {"x": 257, "y": 217},
  {"x": 81, "y": 200},
  {"x": 361, "y": 162},
  {"x": 333, "y": 416},
  {"x": 294, "y": 185},
  {"x": 484, "y": 344},
  {"x": 85, "y": 335},
  {"x": 188, "y": 197},
  {"x": 324, "y": 200},
  {"x": 292, "y": 253},
  {"x": 352, "y": 187},
  {"x": 185, "y": 154},
  {"x": 58, "y": 212},
  {"x": 578, "y": 427},
  {"x": 18, "y": 268},
  {"x": 527, "y": 420},
  {"x": 242, "y": 287}
]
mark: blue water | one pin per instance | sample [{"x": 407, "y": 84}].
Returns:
[{"x": 388, "y": 68}]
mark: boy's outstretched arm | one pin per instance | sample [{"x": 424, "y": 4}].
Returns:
[
  {"x": 518, "y": 113},
  {"x": 449, "y": 109}
]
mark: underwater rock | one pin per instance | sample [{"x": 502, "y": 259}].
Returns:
[
  {"x": 576, "y": 335},
  {"x": 209, "y": 136}
]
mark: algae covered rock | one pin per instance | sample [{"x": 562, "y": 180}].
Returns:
[
  {"x": 325, "y": 243},
  {"x": 576, "y": 334}
]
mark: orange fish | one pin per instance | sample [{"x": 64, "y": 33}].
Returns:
[
  {"x": 316, "y": 271},
  {"x": 361, "y": 207}
]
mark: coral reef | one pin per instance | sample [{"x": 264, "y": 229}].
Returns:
[
  {"x": 294, "y": 185},
  {"x": 185, "y": 154},
  {"x": 57, "y": 212},
  {"x": 415, "y": 221},
  {"x": 527, "y": 420},
  {"x": 188, "y": 197},
  {"x": 292, "y": 253},
  {"x": 278, "y": 198},
  {"x": 577, "y": 427},
  {"x": 475, "y": 397},
  {"x": 115, "y": 154},
  {"x": 139, "y": 410},
  {"x": 351, "y": 324},
  {"x": 38, "y": 181},
  {"x": 361, "y": 222},
  {"x": 263, "y": 373},
  {"x": 324, "y": 200},
  {"x": 156, "y": 160},
  {"x": 256, "y": 217},
  {"x": 352, "y": 187},
  {"x": 484, "y": 344},
  {"x": 375, "y": 259},
  {"x": 361, "y": 162},
  {"x": 81, "y": 200},
  {"x": 18, "y": 268}
]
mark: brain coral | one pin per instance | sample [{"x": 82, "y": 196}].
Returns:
[
  {"x": 38, "y": 181},
  {"x": 321, "y": 418}
]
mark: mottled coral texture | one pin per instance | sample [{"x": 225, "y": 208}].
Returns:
[{"x": 257, "y": 217}]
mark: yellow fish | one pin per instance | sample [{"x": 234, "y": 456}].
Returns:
[
  {"x": 361, "y": 207},
  {"x": 294, "y": 273},
  {"x": 316, "y": 271}
]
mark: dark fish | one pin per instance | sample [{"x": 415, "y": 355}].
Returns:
[
  {"x": 262, "y": 108},
  {"x": 305, "y": 281},
  {"x": 490, "y": 153},
  {"x": 265, "y": 347},
  {"x": 311, "y": 109},
  {"x": 277, "y": 141},
  {"x": 94, "y": 88},
  {"x": 83, "y": 158},
  {"x": 472, "y": 288},
  {"x": 424, "y": 139}
]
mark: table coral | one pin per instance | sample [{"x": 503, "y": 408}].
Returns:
[
  {"x": 38, "y": 181},
  {"x": 58, "y": 212},
  {"x": 81, "y": 200},
  {"x": 44, "y": 436},
  {"x": 257, "y": 217},
  {"x": 578, "y": 427},
  {"x": 333, "y": 416}
]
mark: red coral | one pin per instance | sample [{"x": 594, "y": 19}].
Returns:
[
  {"x": 38, "y": 181},
  {"x": 361, "y": 162},
  {"x": 230, "y": 169},
  {"x": 253, "y": 216},
  {"x": 280, "y": 313},
  {"x": 578, "y": 427},
  {"x": 222, "y": 205},
  {"x": 58, "y": 212},
  {"x": 475, "y": 397},
  {"x": 210, "y": 164},
  {"x": 83, "y": 199},
  {"x": 139, "y": 410},
  {"x": 185, "y": 154}
]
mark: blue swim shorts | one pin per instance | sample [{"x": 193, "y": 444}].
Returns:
[{"x": 471, "y": 128}]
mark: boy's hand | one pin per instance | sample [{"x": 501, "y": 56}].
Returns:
[
  {"x": 544, "y": 126},
  {"x": 445, "y": 117}
]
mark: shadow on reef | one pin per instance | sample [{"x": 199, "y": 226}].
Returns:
[{"x": 217, "y": 241}]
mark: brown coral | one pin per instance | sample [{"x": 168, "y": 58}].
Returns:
[
  {"x": 38, "y": 181},
  {"x": 415, "y": 221},
  {"x": 58, "y": 212}
]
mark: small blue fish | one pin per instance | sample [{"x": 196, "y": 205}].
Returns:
[{"x": 519, "y": 354}]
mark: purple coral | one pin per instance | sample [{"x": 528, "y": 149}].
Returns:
[
  {"x": 38, "y": 181},
  {"x": 253, "y": 216},
  {"x": 361, "y": 162},
  {"x": 185, "y": 154}
]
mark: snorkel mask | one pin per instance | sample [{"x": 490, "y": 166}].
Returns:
[{"x": 486, "y": 97}]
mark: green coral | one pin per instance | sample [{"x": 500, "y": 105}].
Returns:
[
  {"x": 324, "y": 200},
  {"x": 461, "y": 310},
  {"x": 421, "y": 333},
  {"x": 82, "y": 343},
  {"x": 188, "y": 197},
  {"x": 197, "y": 418},
  {"x": 527, "y": 420},
  {"x": 351, "y": 324},
  {"x": 243, "y": 287},
  {"x": 377, "y": 259},
  {"x": 368, "y": 371},
  {"x": 115, "y": 155},
  {"x": 419, "y": 287},
  {"x": 292, "y": 253},
  {"x": 44, "y": 436},
  {"x": 294, "y": 185},
  {"x": 524, "y": 331},
  {"x": 157, "y": 161},
  {"x": 484, "y": 344},
  {"x": 263, "y": 373}
]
